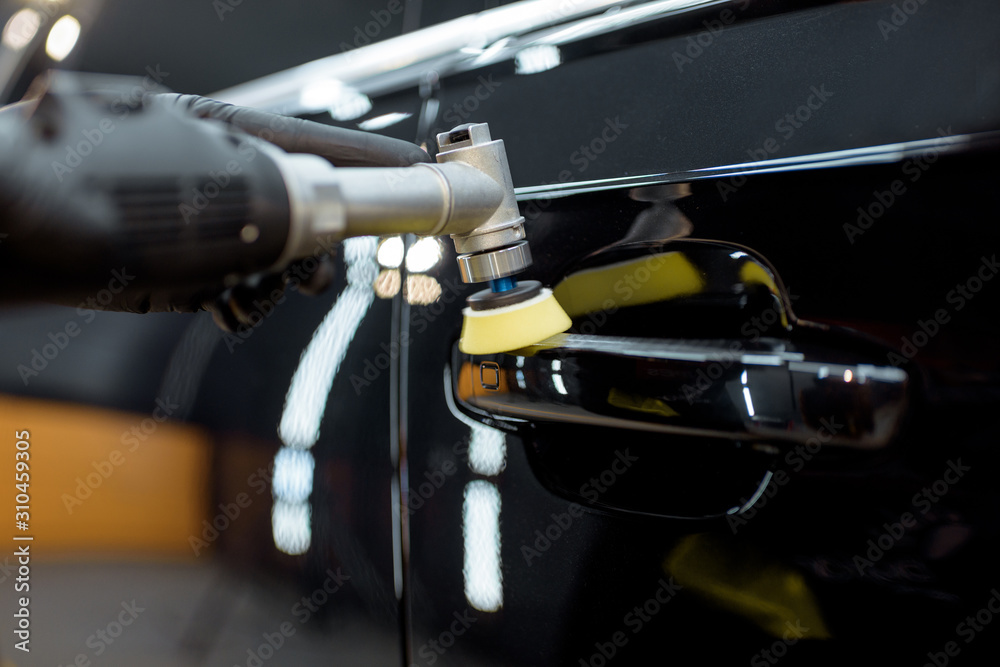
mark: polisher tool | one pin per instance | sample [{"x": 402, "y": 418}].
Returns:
[
  {"x": 508, "y": 314},
  {"x": 196, "y": 198}
]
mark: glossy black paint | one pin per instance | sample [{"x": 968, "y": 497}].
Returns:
[
  {"x": 815, "y": 522},
  {"x": 563, "y": 603},
  {"x": 646, "y": 112}
]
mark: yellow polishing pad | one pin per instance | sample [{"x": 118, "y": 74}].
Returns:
[{"x": 511, "y": 327}]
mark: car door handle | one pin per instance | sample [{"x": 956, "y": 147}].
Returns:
[{"x": 768, "y": 391}]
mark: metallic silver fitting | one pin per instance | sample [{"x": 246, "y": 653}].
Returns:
[
  {"x": 490, "y": 265},
  {"x": 495, "y": 248}
]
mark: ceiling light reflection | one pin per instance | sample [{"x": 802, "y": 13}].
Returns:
[
  {"x": 487, "y": 451},
  {"x": 21, "y": 28},
  {"x": 388, "y": 283},
  {"x": 291, "y": 527},
  {"x": 342, "y": 101},
  {"x": 62, "y": 38},
  {"x": 293, "y": 475},
  {"x": 422, "y": 290},
  {"x": 383, "y": 121},
  {"x": 390, "y": 252},
  {"x": 538, "y": 58},
  {"x": 748, "y": 401},
  {"x": 309, "y": 390},
  {"x": 481, "y": 532},
  {"x": 424, "y": 255}
]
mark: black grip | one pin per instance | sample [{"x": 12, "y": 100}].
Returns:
[
  {"x": 342, "y": 147},
  {"x": 95, "y": 185}
]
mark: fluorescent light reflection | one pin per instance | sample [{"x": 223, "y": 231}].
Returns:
[
  {"x": 746, "y": 394},
  {"x": 343, "y": 102},
  {"x": 21, "y": 28},
  {"x": 481, "y": 531},
  {"x": 538, "y": 58},
  {"x": 487, "y": 451},
  {"x": 290, "y": 526},
  {"x": 383, "y": 121},
  {"x": 422, "y": 290},
  {"x": 305, "y": 402},
  {"x": 424, "y": 255},
  {"x": 388, "y": 283},
  {"x": 557, "y": 379},
  {"x": 390, "y": 252},
  {"x": 62, "y": 38},
  {"x": 748, "y": 400},
  {"x": 293, "y": 475}
]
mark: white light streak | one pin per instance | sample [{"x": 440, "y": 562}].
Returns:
[
  {"x": 291, "y": 527},
  {"x": 424, "y": 255},
  {"x": 62, "y": 38},
  {"x": 481, "y": 530},
  {"x": 21, "y": 28},
  {"x": 305, "y": 402}
]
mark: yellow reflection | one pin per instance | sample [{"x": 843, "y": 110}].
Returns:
[
  {"x": 634, "y": 282},
  {"x": 748, "y": 582}
]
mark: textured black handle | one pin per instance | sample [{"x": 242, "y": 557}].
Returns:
[{"x": 94, "y": 184}]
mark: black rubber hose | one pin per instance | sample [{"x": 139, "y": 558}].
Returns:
[{"x": 342, "y": 147}]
